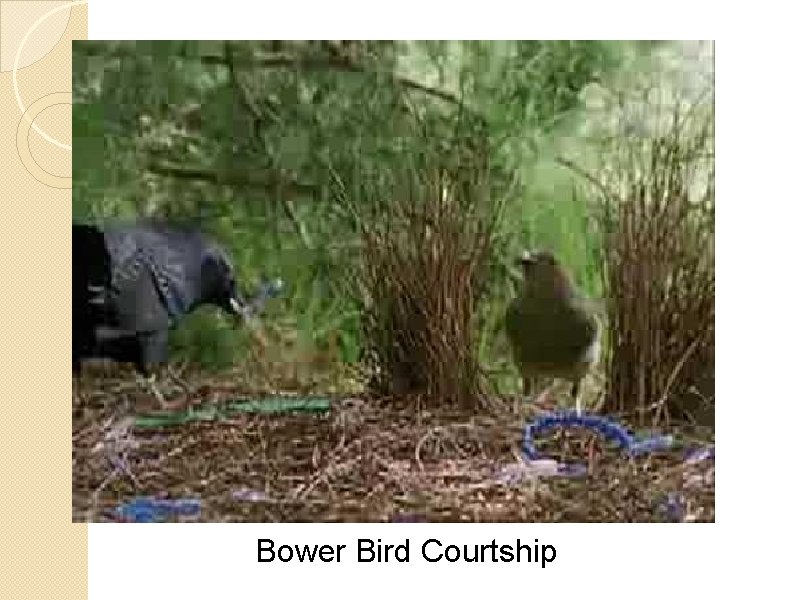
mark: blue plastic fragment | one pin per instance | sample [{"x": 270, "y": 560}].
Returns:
[
  {"x": 267, "y": 291},
  {"x": 700, "y": 454},
  {"x": 671, "y": 506},
  {"x": 408, "y": 518},
  {"x": 572, "y": 470},
  {"x": 148, "y": 509},
  {"x": 270, "y": 289}
]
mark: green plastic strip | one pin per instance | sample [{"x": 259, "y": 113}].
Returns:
[{"x": 271, "y": 405}]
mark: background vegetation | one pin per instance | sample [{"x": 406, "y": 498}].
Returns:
[{"x": 296, "y": 154}]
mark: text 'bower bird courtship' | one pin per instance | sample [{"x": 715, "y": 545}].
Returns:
[
  {"x": 132, "y": 283},
  {"x": 553, "y": 331}
]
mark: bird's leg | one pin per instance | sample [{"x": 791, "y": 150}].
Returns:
[
  {"x": 148, "y": 382},
  {"x": 576, "y": 387},
  {"x": 153, "y": 351},
  {"x": 526, "y": 391},
  {"x": 145, "y": 378},
  {"x": 151, "y": 383},
  {"x": 589, "y": 445},
  {"x": 176, "y": 378},
  {"x": 561, "y": 436},
  {"x": 543, "y": 399},
  {"x": 76, "y": 381}
]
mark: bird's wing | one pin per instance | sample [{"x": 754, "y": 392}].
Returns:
[
  {"x": 515, "y": 322},
  {"x": 173, "y": 259},
  {"x": 135, "y": 298},
  {"x": 580, "y": 327},
  {"x": 548, "y": 332}
]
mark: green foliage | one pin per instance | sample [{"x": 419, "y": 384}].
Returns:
[
  {"x": 257, "y": 141},
  {"x": 208, "y": 340}
]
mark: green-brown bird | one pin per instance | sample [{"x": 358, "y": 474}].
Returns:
[{"x": 553, "y": 331}]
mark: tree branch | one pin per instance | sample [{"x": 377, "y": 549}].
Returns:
[
  {"x": 306, "y": 63},
  {"x": 336, "y": 64},
  {"x": 258, "y": 120},
  {"x": 565, "y": 162},
  {"x": 232, "y": 177}
]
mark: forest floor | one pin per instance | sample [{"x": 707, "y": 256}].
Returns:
[{"x": 361, "y": 460}]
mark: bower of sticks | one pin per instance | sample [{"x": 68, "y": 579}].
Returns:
[{"x": 334, "y": 458}]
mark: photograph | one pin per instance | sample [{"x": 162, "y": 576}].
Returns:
[{"x": 404, "y": 281}]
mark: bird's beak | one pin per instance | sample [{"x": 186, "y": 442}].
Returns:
[
  {"x": 525, "y": 258},
  {"x": 238, "y": 308}
]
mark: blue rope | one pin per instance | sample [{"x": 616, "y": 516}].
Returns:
[
  {"x": 610, "y": 430},
  {"x": 670, "y": 506}
]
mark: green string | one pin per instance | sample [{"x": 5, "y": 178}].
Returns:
[{"x": 261, "y": 406}]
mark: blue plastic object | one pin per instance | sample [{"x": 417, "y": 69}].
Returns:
[
  {"x": 572, "y": 470},
  {"x": 672, "y": 507},
  {"x": 408, "y": 518},
  {"x": 148, "y": 509},
  {"x": 700, "y": 454},
  {"x": 672, "y": 504},
  {"x": 609, "y": 429},
  {"x": 270, "y": 289}
]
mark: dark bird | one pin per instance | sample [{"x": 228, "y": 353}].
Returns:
[
  {"x": 553, "y": 331},
  {"x": 132, "y": 283}
]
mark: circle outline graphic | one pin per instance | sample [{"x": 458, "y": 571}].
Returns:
[
  {"x": 23, "y": 131},
  {"x": 14, "y": 70}
]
